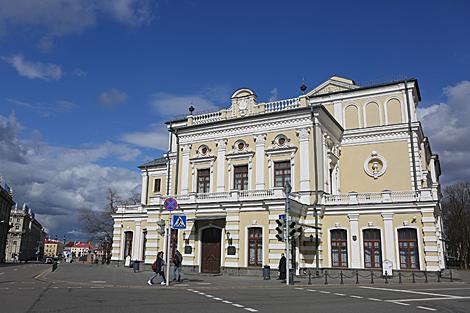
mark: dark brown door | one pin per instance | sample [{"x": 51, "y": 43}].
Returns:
[{"x": 210, "y": 250}]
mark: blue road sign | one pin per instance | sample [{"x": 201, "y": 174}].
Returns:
[
  {"x": 282, "y": 216},
  {"x": 170, "y": 204},
  {"x": 179, "y": 222}
]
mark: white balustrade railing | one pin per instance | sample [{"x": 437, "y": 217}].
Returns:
[
  {"x": 207, "y": 118},
  {"x": 134, "y": 208},
  {"x": 282, "y": 105},
  {"x": 386, "y": 196}
]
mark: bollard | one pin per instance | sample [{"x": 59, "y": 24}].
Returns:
[
  {"x": 357, "y": 277},
  {"x": 341, "y": 277},
  {"x": 425, "y": 276},
  {"x": 439, "y": 276},
  {"x": 399, "y": 277},
  {"x": 413, "y": 277},
  {"x": 386, "y": 277},
  {"x": 451, "y": 279},
  {"x": 309, "y": 277},
  {"x": 326, "y": 278},
  {"x": 371, "y": 277}
]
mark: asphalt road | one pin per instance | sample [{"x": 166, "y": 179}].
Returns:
[{"x": 81, "y": 288}]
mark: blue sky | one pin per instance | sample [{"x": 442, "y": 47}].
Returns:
[{"x": 85, "y": 86}]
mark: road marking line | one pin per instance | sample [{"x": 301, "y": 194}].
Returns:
[
  {"x": 409, "y": 291},
  {"x": 374, "y": 299},
  {"x": 299, "y": 288},
  {"x": 4, "y": 288},
  {"x": 237, "y": 305},
  {"x": 311, "y": 290},
  {"x": 357, "y": 297},
  {"x": 204, "y": 283},
  {"x": 444, "y": 289},
  {"x": 228, "y": 302},
  {"x": 97, "y": 287},
  {"x": 400, "y": 303},
  {"x": 209, "y": 296},
  {"x": 98, "y": 282},
  {"x": 201, "y": 293},
  {"x": 72, "y": 287},
  {"x": 251, "y": 310},
  {"x": 55, "y": 287},
  {"x": 189, "y": 289},
  {"x": 323, "y": 291},
  {"x": 218, "y": 299},
  {"x": 426, "y": 308},
  {"x": 339, "y": 294},
  {"x": 428, "y": 299},
  {"x": 2, "y": 273}
]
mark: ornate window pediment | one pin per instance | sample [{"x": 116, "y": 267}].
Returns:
[
  {"x": 203, "y": 153},
  {"x": 239, "y": 150},
  {"x": 281, "y": 144}
]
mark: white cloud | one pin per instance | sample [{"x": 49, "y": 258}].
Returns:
[
  {"x": 57, "y": 18},
  {"x": 112, "y": 97},
  {"x": 57, "y": 181},
  {"x": 155, "y": 138},
  {"x": 34, "y": 70},
  {"x": 274, "y": 94},
  {"x": 447, "y": 126},
  {"x": 171, "y": 105},
  {"x": 45, "y": 109},
  {"x": 79, "y": 72}
]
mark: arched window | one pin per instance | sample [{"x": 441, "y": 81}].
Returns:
[
  {"x": 255, "y": 246},
  {"x": 339, "y": 248},
  {"x": 372, "y": 248},
  {"x": 408, "y": 245},
  {"x": 128, "y": 236}
]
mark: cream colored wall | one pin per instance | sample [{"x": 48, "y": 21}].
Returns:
[
  {"x": 396, "y": 177},
  {"x": 151, "y": 186}
]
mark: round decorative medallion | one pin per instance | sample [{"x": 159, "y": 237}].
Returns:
[{"x": 375, "y": 165}]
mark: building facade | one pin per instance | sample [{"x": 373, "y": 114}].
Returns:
[
  {"x": 25, "y": 240},
  {"x": 53, "y": 248},
  {"x": 6, "y": 203},
  {"x": 356, "y": 157}
]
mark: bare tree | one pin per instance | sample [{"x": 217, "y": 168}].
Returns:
[{"x": 456, "y": 217}]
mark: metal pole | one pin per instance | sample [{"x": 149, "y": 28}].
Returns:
[
  {"x": 168, "y": 245},
  {"x": 287, "y": 190}
]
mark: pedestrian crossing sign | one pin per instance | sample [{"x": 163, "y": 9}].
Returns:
[{"x": 179, "y": 222}]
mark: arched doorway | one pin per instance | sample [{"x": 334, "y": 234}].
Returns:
[{"x": 210, "y": 250}]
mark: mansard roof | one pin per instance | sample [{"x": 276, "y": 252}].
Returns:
[{"x": 155, "y": 162}]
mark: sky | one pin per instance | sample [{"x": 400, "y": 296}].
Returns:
[{"x": 85, "y": 86}]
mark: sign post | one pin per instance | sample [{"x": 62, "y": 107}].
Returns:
[
  {"x": 287, "y": 190},
  {"x": 170, "y": 204}
]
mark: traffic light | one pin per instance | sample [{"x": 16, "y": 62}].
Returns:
[
  {"x": 295, "y": 230},
  {"x": 281, "y": 228},
  {"x": 161, "y": 224}
]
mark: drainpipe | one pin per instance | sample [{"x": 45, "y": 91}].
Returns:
[
  {"x": 410, "y": 130},
  {"x": 169, "y": 164},
  {"x": 315, "y": 203},
  {"x": 177, "y": 161}
]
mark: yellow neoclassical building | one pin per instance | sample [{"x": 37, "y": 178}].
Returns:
[{"x": 356, "y": 157}]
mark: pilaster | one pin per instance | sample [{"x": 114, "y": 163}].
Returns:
[{"x": 355, "y": 251}]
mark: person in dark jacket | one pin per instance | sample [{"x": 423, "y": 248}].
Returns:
[
  {"x": 177, "y": 261},
  {"x": 158, "y": 266},
  {"x": 282, "y": 267}
]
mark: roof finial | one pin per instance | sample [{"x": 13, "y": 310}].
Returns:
[
  {"x": 191, "y": 109},
  {"x": 303, "y": 87}
]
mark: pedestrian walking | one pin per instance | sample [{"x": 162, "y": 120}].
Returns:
[
  {"x": 158, "y": 267},
  {"x": 177, "y": 261},
  {"x": 282, "y": 267}
]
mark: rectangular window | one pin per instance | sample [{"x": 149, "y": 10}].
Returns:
[
  {"x": 281, "y": 173},
  {"x": 339, "y": 248},
  {"x": 408, "y": 245},
  {"x": 372, "y": 248},
  {"x": 203, "y": 181},
  {"x": 157, "y": 185},
  {"x": 240, "y": 177},
  {"x": 255, "y": 246}
]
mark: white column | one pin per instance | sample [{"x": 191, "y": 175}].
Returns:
[
  {"x": 389, "y": 239},
  {"x": 143, "y": 194},
  {"x": 355, "y": 250},
  {"x": 260, "y": 140},
  {"x": 222, "y": 147},
  {"x": 136, "y": 255},
  {"x": 304, "y": 159},
  {"x": 185, "y": 169}
]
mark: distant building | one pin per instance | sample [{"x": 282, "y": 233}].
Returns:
[
  {"x": 53, "y": 248},
  {"x": 6, "y": 202},
  {"x": 81, "y": 248},
  {"x": 25, "y": 237}
]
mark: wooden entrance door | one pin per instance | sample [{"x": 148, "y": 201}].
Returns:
[{"x": 210, "y": 257}]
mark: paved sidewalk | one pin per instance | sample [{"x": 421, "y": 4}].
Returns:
[{"x": 112, "y": 275}]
